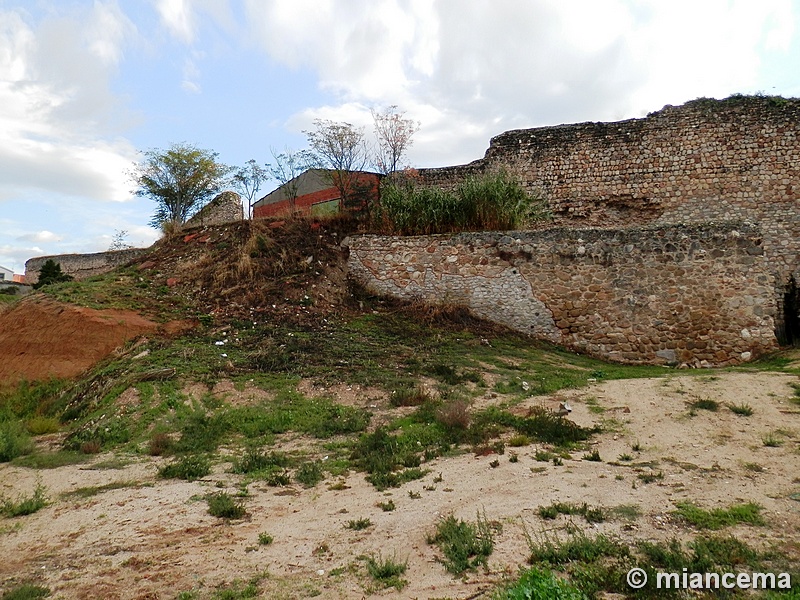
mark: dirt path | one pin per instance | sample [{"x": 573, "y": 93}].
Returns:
[{"x": 153, "y": 538}]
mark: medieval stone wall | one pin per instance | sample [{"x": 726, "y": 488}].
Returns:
[
  {"x": 82, "y": 266},
  {"x": 700, "y": 295},
  {"x": 224, "y": 208},
  {"x": 705, "y": 161}
]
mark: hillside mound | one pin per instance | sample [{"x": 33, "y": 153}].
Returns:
[{"x": 42, "y": 338}]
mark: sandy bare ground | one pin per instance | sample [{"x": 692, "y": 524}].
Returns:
[{"x": 154, "y": 538}]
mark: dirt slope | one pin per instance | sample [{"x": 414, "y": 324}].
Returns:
[{"x": 41, "y": 338}]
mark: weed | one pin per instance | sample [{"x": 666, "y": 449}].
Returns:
[
  {"x": 254, "y": 461},
  {"x": 14, "y": 440},
  {"x": 237, "y": 590},
  {"x": 387, "y": 506},
  {"x": 358, "y": 524},
  {"x": 160, "y": 444},
  {"x": 519, "y": 440},
  {"x": 593, "y": 456},
  {"x": 540, "y": 584},
  {"x": 625, "y": 457},
  {"x": 42, "y": 425},
  {"x": 771, "y": 440},
  {"x": 743, "y": 410},
  {"x": 91, "y": 447},
  {"x": 465, "y": 545},
  {"x": 190, "y": 468},
  {"x": 543, "y": 456},
  {"x": 225, "y": 506},
  {"x": 718, "y": 518},
  {"x": 705, "y": 404},
  {"x": 88, "y": 492},
  {"x": 626, "y": 512},
  {"x": 754, "y": 467},
  {"x": 50, "y": 460},
  {"x": 26, "y": 591},
  {"x": 414, "y": 495},
  {"x": 558, "y": 461},
  {"x": 579, "y": 547},
  {"x": 455, "y": 418},
  {"x": 409, "y": 397},
  {"x": 650, "y": 477},
  {"x": 24, "y": 505},
  {"x": 636, "y": 446},
  {"x": 387, "y": 571},
  {"x": 309, "y": 474},
  {"x": 264, "y": 539},
  {"x": 278, "y": 478},
  {"x": 592, "y": 515},
  {"x": 513, "y": 457},
  {"x": 494, "y": 464}
]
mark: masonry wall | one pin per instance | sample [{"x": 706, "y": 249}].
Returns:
[
  {"x": 700, "y": 295},
  {"x": 705, "y": 161},
  {"x": 82, "y": 266},
  {"x": 224, "y": 208}
]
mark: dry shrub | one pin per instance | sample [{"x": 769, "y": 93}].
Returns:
[
  {"x": 454, "y": 416},
  {"x": 160, "y": 444},
  {"x": 91, "y": 447}
]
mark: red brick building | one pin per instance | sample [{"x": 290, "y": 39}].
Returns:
[{"x": 316, "y": 194}]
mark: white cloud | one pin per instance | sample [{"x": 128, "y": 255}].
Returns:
[
  {"x": 469, "y": 71},
  {"x": 57, "y": 107},
  {"x": 178, "y": 17},
  {"x": 41, "y": 237}
]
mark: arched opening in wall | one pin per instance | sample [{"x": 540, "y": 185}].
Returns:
[{"x": 790, "y": 334}]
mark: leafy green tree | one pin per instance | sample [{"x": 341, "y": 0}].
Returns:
[
  {"x": 181, "y": 180},
  {"x": 51, "y": 273}
]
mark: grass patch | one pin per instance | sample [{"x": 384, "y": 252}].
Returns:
[
  {"x": 717, "y": 518},
  {"x": 593, "y": 456},
  {"x": 358, "y": 524},
  {"x": 387, "y": 571},
  {"x": 540, "y": 584},
  {"x": 51, "y": 460},
  {"x": 14, "y": 440},
  {"x": 743, "y": 410},
  {"x": 26, "y": 591},
  {"x": 415, "y": 396},
  {"x": 705, "y": 404},
  {"x": 190, "y": 468},
  {"x": 225, "y": 506},
  {"x": 592, "y": 515},
  {"x": 24, "y": 505},
  {"x": 265, "y": 539},
  {"x": 772, "y": 440},
  {"x": 551, "y": 551},
  {"x": 40, "y": 425},
  {"x": 387, "y": 506},
  {"x": 309, "y": 474},
  {"x": 465, "y": 545},
  {"x": 88, "y": 492}
]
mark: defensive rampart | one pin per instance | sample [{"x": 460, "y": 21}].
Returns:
[{"x": 700, "y": 295}]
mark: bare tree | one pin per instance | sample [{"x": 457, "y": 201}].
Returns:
[
  {"x": 286, "y": 167},
  {"x": 341, "y": 149},
  {"x": 394, "y": 134},
  {"x": 247, "y": 181}
]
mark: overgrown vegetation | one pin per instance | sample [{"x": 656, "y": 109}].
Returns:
[
  {"x": 490, "y": 201},
  {"x": 464, "y": 545},
  {"x": 717, "y": 518},
  {"x": 387, "y": 571},
  {"x": 24, "y": 505}
]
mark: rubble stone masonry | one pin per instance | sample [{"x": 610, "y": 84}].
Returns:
[{"x": 700, "y": 295}]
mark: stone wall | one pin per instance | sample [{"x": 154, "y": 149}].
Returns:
[
  {"x": 705, "y": 161},
  {"x": 224, "y": 208},
  {"x": 82, "y": 266},
  {"x": 700, "y": 295}
]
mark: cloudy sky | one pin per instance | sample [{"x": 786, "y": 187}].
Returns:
[{"x": 85, "y": 85}]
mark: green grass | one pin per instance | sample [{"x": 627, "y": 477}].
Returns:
[
  {"x": 358, "y": 524},
  {"x": 24, "y": 505},
  {"x": 26, "y": 591},
  {"x": 94, "y": 490},
  {"x": 14, "y": 440},
  {"x": 190, "y": 468},
  {"x": 387, "y": 572},
  {"x": 309, "y": 473},
  {"x": 265, "y": 539},
  {"x": 743, "y": 409},
  {"x": 464, "y": 545},
  {"x": 225, "y": 506},
  {"x": 592, "y": 515},
  {"x": 705, "y": 404},
  {"x": 717, "y": 518},
  {"x": 51, "y": 460},
  {"x": 540, "y": 584},
  {"x": 579, "y": 547}
]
